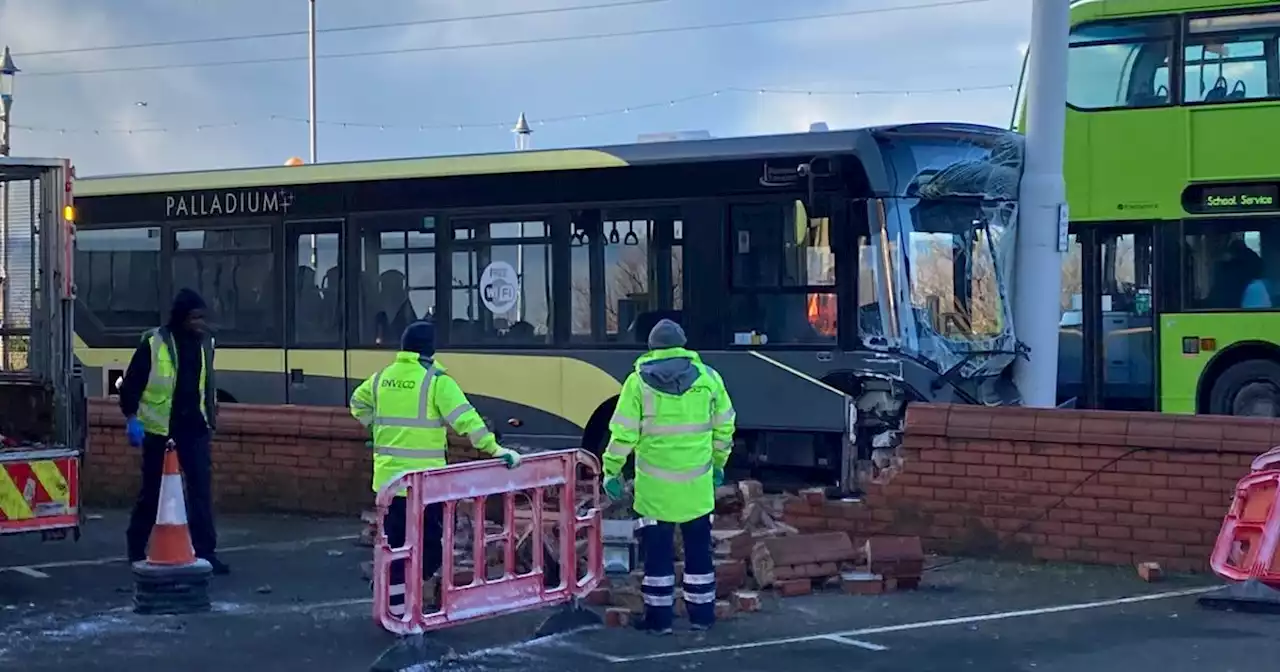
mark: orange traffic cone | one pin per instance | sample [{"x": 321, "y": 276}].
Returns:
[{"x": 170, "y": 542}]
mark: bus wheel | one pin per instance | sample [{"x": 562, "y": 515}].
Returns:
[{"x": 1250, "y": 388}]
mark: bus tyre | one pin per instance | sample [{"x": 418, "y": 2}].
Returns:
[{"x": 1249, "y": 388}]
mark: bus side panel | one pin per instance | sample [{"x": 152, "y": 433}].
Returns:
[{"x": 1180, "y": 373}]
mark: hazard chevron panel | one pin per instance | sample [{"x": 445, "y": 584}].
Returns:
[{"x": 39, "y": 490}]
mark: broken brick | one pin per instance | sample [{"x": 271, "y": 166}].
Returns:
[
  {"x": 628, "y": 598},
  {"x": 746, "y": 601},
  {"x": 805, "y": 555},
  {"x": 617, "y": 617},
  {"x": 794, "y": 587},
  {"x": 899, "y": 557},
  {"x": 814, "y": 496},
  {"x": 600, "y": 597},
  {"x": 750, "y": 490},
  {"x": 732, "y": 544},
  {"x": 861, "y": 583},
  {"x": 724, "y": 610},
  {"x": 731, "y": 575},
  {"x": 1150, "y": 572}
]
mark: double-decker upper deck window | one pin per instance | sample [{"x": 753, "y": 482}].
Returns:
[
  {"x": 1232, "y": 57},
  {"x": 783, "y": 275},
  {"x": 118, "y": 276},
  {"x": 234, "y": 270},
  {"x": 397, "y": 275},
  {"x": 1120, "y": 64},
  {"x": 501, "y": 291}
]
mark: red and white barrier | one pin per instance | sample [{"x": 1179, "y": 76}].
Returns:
[{"x": 569, "y": 471}]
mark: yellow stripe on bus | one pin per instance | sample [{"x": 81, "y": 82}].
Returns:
[
  {"x": 12, "y": 504},
  {"x": 51, "y": 478}
]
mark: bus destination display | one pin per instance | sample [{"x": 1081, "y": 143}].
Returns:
[{"x": 1207, "y": 199}]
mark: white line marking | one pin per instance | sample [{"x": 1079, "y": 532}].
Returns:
[
  {"x": 980, "y": 618},
  {"x": 841, "y": 639},
  {"x": 33, "y": 573},
  {"x": 229, "y": 549}
]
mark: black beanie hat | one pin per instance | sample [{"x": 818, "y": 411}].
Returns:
[{"x": 419, "y": 337}]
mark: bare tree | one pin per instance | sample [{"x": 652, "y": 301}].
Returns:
[{"x": 626, "y": 277}]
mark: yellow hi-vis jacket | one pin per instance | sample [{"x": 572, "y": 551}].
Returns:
[
  {"x": 407, "y": 405},
  {"x": 677, "y": 439},
  {"x": 156, "y": 405}
]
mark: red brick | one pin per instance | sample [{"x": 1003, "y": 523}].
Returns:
[
  {"x": 794, "y": 587},
  {"x": 860, "y": 583},
  {"x": 746, "y": 601},
  {"x": 617, "y": 617},
  {"x": 724, "y": 610},
  {"x": 1150, "y": 572},
  {"x": 600, "y": 597}
]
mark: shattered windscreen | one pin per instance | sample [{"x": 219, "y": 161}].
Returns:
[{"x": 943, "y": 248}]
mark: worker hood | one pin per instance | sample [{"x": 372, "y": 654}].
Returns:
[
  {"x": 669, "y": 370},
  {"x": 184, "y": 303}
]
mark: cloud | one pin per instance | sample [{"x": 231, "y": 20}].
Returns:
[
  {"x": 794, "y": 113},
  {"x": 104, "y": 101}
]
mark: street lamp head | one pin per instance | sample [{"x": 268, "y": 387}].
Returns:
[{"x": 8, "y": 73}]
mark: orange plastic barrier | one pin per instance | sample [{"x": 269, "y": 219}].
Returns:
[
  {"x": 486, "y": 598},
  {"x": 1247, "y": 544}
]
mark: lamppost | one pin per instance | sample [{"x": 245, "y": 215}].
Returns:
[{"x": 8, "y": 73}]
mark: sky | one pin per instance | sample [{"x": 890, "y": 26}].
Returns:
[{"x": 147, "y": 115}]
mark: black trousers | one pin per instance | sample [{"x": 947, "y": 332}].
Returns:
[
  {"x": 432, "y": 546},
  {"x": 195, "y": 458}
]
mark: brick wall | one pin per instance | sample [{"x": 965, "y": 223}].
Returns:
[
  {"x": 265, "y": 458},
  {"x": 1082, "y": 486}
]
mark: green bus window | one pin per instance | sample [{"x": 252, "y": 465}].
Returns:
[
  {"x": 234, "y": 270},
  {"x": 1232, "y": 265},
  {"x": 1232, "y": 57},
  {"x": 317, "y": 290},
  {"x": 501, "y": 283},
  {"x": 1071, "y": 324},
  {"x": 117, "y": 276},
  {"x": 1121, "y": 64},
  {"x": 397, "y": 283}
]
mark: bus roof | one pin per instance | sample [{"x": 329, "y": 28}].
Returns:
[
  {"x": 717, "y": 149},
  {"x": 1089, "y": 10}
]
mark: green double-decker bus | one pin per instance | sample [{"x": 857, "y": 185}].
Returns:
[{"x": 1171, "y": 292}]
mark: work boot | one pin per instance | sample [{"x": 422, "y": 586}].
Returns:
[
  {"x": 642, "y": 625},
  {"x": 220, "y": 568}
]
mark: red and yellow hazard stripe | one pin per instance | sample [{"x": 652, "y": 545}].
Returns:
[{"x": 35, "y": 492}]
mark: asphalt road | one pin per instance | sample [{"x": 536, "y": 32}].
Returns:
[{"x": 296, "y": 602}]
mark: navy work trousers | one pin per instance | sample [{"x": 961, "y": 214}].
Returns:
[
  {"x": 196, "y": 461},
  {"x": 659, "y": 585},
  {"x": 432, "y": 546}
]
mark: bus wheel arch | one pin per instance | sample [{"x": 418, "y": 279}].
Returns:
[
  {"x": 596, "y": 434},
  {"x": 1230, "y": 371},
  {"x": 225, "y": 397}
]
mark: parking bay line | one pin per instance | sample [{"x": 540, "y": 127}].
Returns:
[
  {"x": 921, "y": 625},
  {"x": 93, "y": 562},
  {"x": 841, "y": 639}
]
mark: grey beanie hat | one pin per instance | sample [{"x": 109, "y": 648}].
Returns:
[{"x": 666, "y": 334}]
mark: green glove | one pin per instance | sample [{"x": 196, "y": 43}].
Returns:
[
  {"x": 612, "y": 488},
  {"x": 509, "y": 457},
  {"x": 717, "y": 476}
]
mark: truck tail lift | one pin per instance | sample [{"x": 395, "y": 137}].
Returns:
[{"x": 43, "y": 408}]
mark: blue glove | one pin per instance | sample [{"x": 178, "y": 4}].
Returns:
[
  {"x": 612, "y": 488},
  {"x": 133, "y": 429}
]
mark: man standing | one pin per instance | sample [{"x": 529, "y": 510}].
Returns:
[
  {"x": 407, "y": 405},
  {"x": 676, "y": 416},
  {"x": 168, "y": 395}
]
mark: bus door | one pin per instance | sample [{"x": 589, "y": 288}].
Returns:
[
  {"x": 1118, "y": 316},
  {"x": 315, "y": 319}
]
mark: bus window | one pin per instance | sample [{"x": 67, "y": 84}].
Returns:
[
  {"x": 397, "y": 283},
  {"x": 234, "y": 270},
  {"x": 1119, "y": 64},
  {"x": 1232, "y": 266},
  {"x": 622, "y": 271},
  {"x": 1226, "y": 58},
  {"x": 117, "y": 276},
  {"x": 783, "y": 276},
  {"x": 501, "y": 285},
  {"x": 317, "y": 301}
]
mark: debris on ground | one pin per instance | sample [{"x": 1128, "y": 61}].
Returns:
[{"x": 1151, "y": 572}]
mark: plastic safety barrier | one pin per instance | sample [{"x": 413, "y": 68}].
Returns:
[
  {"x": 1250, "y": 535},
  {"x": 474, "y": 482}
]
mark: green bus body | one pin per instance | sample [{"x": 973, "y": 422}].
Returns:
[{"x": 1172, "y": 153}]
